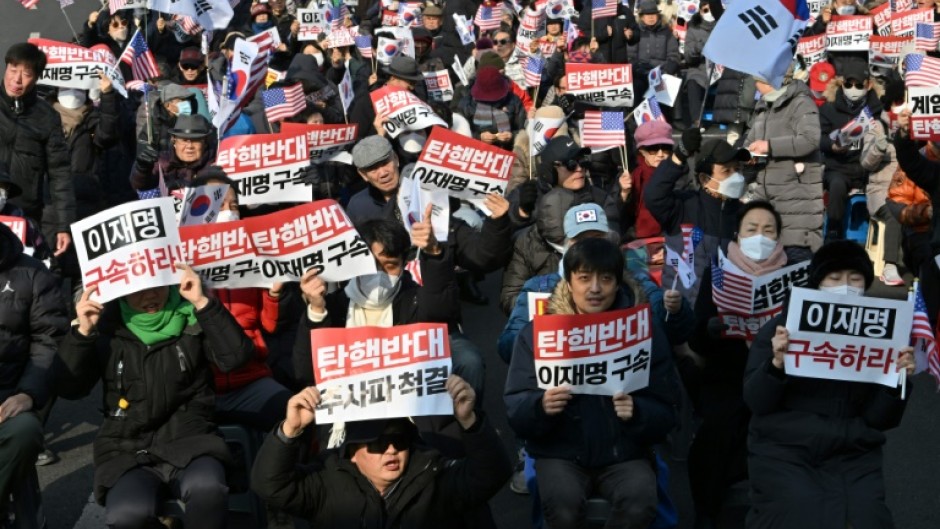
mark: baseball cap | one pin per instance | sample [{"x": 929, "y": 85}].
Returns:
[
  {"x": 585, "y": 217},
  {"x": 719, "y": 151},
  {"x": 560, "y": 148}
]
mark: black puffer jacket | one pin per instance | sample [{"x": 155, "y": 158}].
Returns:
[
  {"x": 653, "y": 46},
  {"x": 433, "y": 491},
  {"x": 734, "y": 99},
  {"x": 168, "y": 386},
  {"x": 835, "y": 114},
  {"x": 31, "y": 143},
  {"x": 33, "y": 317}
]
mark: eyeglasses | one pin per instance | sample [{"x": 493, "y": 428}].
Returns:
[
  {"x": 380, "y": 445},
  {"x": 118, "y": 22},
  {"x": 653, "y": 149},
  {"x": 571, "y": 164},
  {"x": 501, "y": 42},
  {"x": 856, "y": 84},
  {"x": 189, "y": 66}
]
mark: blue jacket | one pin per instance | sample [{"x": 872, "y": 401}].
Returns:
[
  {"x": 678, "y": 328},
  {"x": 588, "y": 431}
]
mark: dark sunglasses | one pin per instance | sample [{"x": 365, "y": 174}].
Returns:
[
  {"x": 571, "y": 165},
  {"x": 189, "y": 66},
  {"x": 652, "y": 149},
  {"x": 380, "y": 445},
  {"x": 501, "y": 42},
  {"x": 856, "y": 84},
  {"x": 118, "y": 22}
]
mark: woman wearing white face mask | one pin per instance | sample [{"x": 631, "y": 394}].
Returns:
[
  {"x": 842, "y": 157},
  {"x": 815, "y": 445}
]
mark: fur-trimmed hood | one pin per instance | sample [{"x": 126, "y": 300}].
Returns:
[{"x": 560, "y": 301}]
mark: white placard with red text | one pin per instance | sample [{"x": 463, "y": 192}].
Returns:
[
  {"x": 466, "y": 168},
  {"x": 312, "y": 23},
  {"x": 881, "y": 17},
  {"x": 605, "y": 85},
  {"x": 223, "y": 255},
  {"x": 924, "y": 103},
  {"x": 323, "y": 141},
  {"x": 17, "y": 225},
  {"x": 73, "y": 66},
  {"x": 439, "y": 85},
  {"x": 380, "y": 372},
  {"x": 812, "y": 49},
  {"x": 594, "y": 354},
  {"x": 904, "y": 23},
  {"x": 886, "y": 51},
  {"x": 403, "y": 111},
  {"x": 267, "y": 168},
  {"x": 128, "y": 248},
  {"x": 849, "y": 33},
  {"x": 853, "y": 338}
]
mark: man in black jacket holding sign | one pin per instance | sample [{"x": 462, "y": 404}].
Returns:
[{"x": 380, "y": 478}]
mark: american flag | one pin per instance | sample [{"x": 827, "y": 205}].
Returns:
[
  {"x": 571, "y": 32},
  {"x": 29, "y": 4},
  {"x": 648, "y": 110},
  {"x": 190, "y": 27},
  {"x": 602, "y": 128},
  {"x": 414, "y": 268},
  {"x": 338, "y": 14},
  {"x": 533, "y": 70},
  {"x": 488, "y": 17},
  {"x": 364, "y": 45},
  {"x": 137, "y": 54},
  {"x": 115, "y": 5},
  {"x": 283, "y": 103},
  {"x": 925, "y": 342},
  {"x": 603, "y": 8},
  {"x": 731, "y": 292},
  {"x": 927, "y": 36},
  {"x": 267, "y": 41},
  {"x": 921, "y": 71},
  {"x": 688, "y": 242}
]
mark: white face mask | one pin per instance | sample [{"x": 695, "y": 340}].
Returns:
[
  {"x": 845, "y": 10},
  {"x": 319, "y": 58},
  {"x": 184, "y": 108},
  {"x": 708, "y": 17},
  {"x": 732, "y": 187},
  {"x": 227, "y": 215},
  {"x": 757, "y": 247},
  {"x": 119, "y": 34},
  {"x": 843, "y": 290},
  {"x": 379, "y": 287},
  {"x": 72, "y": 98},
  {"x": 854, "y": 94}
]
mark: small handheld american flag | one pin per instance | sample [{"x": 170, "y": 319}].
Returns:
[
  {"x": 731, "y": 292},
  {"x": 927, "y": 36},
  {"x": 488, "y": 17},
  {"x": 364, "y": 45},
  {"x": 603, "y": 8},
  {"x": 283, "y": 103},
  {"x": 922, "y": 336},
  {"x": 921, "y": 71},
  {"x": 533, "y": 71},
  {"x": 137, "y": 54},
  {"x": 603, "y": 128}
]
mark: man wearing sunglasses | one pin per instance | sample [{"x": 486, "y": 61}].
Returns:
[
  {"x": 504, "y": 44},
  {"x": 192, "y": 68},
  {"x": 380, "y": 477}
]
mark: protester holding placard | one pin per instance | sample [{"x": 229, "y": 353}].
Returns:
[
  {"x": 815, "y": 445},
  {"x": 718, "y": 455},
  {"x": 31, "y": 142},
  {"x": 189, "y": 153},
  {"x": 153, "y": 349},
  {"x": 33, "y": 319},
  {"x": 600, "y": 442},
  {"x": 845, "y": 100},
  {"x": 381, "y": 474},
  {"x": 926, "y": 174}
]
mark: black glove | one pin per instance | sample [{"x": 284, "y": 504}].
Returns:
[
  {"x": 528, "y": 196},
  {"x": 716, "y": 327},
  {"x": 689, "y": 144},
  {"x": 567, "y": 104},
  {"x": 146, "y": 156}
]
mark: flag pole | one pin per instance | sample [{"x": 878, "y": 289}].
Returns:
[
  {"x": 69, "y": 22},
  {"x": 147, "y": 113},
  {"x": 701, "y": 110},
  {"x": 675, "y": 281}
]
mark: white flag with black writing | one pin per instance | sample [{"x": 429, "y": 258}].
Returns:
[{"x": 210, "y": 14}]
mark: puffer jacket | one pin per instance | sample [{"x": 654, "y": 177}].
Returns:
[
  {"x": 734, "y": 98},
  {"x": 695, "y": 38},
  {"x": 881, "y": 162},
  {"x": 537, "y": 251},
  {"x": 792, "y": 178},
  {"x": 168, "y": 387},
  {"x": 834, "y": 114},
  {"x": 255, "y": 310},
  {"x": 915, "y": 203},
  {"x": 653, "y": 46},
  {"x": 32, "y": 320},
  {"x": 588, "y": 431},
  {"x": 31, "y": 143}
]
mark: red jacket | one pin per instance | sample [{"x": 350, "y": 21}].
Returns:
[
  {"x": 254, "y": 309},
  {"x": 645, "y": 224}
]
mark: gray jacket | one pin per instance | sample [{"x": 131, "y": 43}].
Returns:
[
  {"x": 792, "y": 177},
  {"x": 881, "y": 162},
  {"x": 695, "y": 39}
]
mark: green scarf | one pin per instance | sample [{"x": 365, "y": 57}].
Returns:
[{"x": 164, "y": 324}]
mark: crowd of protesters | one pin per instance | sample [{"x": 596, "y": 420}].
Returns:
[{"x": 756, "y": 168}]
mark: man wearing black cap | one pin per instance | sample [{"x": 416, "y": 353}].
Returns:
[
  {"x": 190, "y": 152},
  {"x": 381, "y": 478},
  {"x": 191, "y": 69},
  {"x": 712, "y": 209},
  {"x": 815, "y": 445},
  {"x": 403, "y": 73}
]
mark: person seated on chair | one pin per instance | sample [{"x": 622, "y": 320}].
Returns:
[
  {"x": 32, "y": 319},
  {"x": 590, "y": 443},
  {"x": 381, "y": 476},
  {"x": 153, "y": 351}
]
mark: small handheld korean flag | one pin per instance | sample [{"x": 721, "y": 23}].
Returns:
[
  {"x": 201, "y": 204},
  {"x": 386, "y": 49},
  {"x": 768, "y": 31}
]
